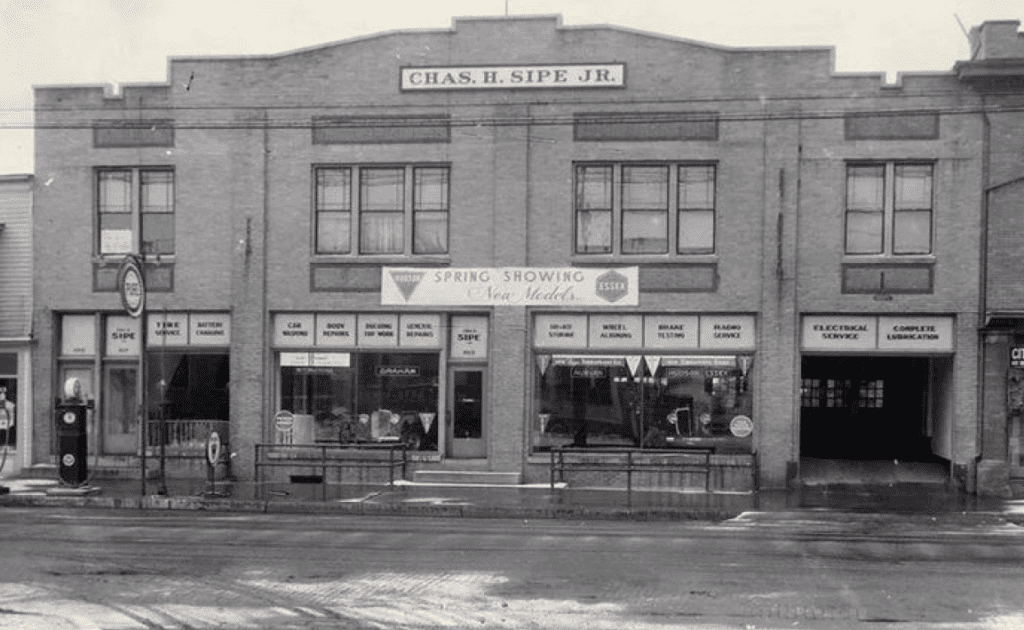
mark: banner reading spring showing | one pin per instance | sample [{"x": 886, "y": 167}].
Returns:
[{"x": 510, "y": 286}]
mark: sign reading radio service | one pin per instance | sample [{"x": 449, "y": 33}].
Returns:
[
  {"x": 601, "y": 75},
  {"x": 859, "y": 333},
  {"x": 510, "y": 286}
]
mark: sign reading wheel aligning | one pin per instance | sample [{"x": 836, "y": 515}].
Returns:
[{"x": 131, "y": 284}]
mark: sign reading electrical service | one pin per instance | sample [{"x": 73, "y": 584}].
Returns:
[
  {"x": 510, "y": 286},
  {"x": 604, "y": 75},
  {"x": 928, "y": 333}
]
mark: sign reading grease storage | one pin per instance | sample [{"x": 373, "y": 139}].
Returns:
[
  {"x": 882, "y": 333},
  {"x": 572, "y": 76}
]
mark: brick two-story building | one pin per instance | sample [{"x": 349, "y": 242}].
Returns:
[{"x": 513, "y": 235}]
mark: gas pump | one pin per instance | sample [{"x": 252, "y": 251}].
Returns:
[
  {"x": 70, "y": 418},
  {"x": 7, "y": 420}
]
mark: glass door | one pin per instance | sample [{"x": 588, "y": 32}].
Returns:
[
  {"x": 466, "y": 403},
  {"x": 120, "y": 410}
]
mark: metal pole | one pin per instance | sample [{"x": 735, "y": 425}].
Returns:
[{"x": 163, "y": 401}]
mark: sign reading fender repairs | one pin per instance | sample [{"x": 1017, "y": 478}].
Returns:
[
  {"x": 602, "y": 75},
  {"x": 510, "y": 286}
]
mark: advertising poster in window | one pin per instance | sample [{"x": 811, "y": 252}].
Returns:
[{"x": 123, "y": 338}]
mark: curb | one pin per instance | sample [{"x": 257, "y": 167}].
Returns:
[{"x": 155, "y": 502}]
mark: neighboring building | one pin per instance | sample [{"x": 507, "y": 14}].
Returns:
[
  {"x": 521, "y": 235},
  {"x": 15, "y": 322},
  {"x": 996, "y": 72}
]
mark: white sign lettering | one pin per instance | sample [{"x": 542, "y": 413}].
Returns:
[
  {"x": 560, "y": 331},
  {"x": 605, "y": 75},
  {"x": 293, "y": 329},
  {"x": 167, "y": 329}
]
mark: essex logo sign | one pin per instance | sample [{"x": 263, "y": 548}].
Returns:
[
  {"x": 611, "y": 286},
  {"x": 510, "y": 286}
]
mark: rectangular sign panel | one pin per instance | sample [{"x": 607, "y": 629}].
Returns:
[
  {"x": 469, "y": 337},
  {"x": 839, "y": 332},
  {"x": 167, "y": 329},
  {"x": 590, "y": 75},
  {"x": 336, "y": 330},
  {"x": 378, "y": 331},
  {"x": 420, "y": 331},
  {"x": 209, "y": 329},
  {"x": 915, "y": 334},
  {"x": 616, "y": 331},
  {"x": 123, "y": 338},
  {"x": 670, "y": 332},
  {"x": 78, "y": 336},
  {"x": 727, "y": 332},
  {"x": 293, "y": 329},
  {"x": 560, "y": 331},
  {"x": 510, "y": 286}
]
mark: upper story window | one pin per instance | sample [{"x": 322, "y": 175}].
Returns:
[
  {"x": 372, "y": 208},
  {"x": 648, "y": 209},
  {"x": 135, "y": 211},
  {"x": 889, "y": 208}
]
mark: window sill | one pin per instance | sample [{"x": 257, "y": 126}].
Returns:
[
  {"x": 661, "y": 259},
  {"x": 372, "y": 259},
  {"x": 117, "y": 258},
  {"x": 889, "y": 259}
]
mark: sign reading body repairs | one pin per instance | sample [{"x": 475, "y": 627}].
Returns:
[
  {"x": 603, "y": 75},
  {"x": 510, "y": 286}
]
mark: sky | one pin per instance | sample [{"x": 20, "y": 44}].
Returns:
[{"x": 48, "y": 42}]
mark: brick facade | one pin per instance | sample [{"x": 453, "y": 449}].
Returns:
[{"x": 243, "y": 159}]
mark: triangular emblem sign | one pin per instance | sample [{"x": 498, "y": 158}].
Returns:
[
  {"x": 407, "y": 281},
  {"x": 633, "y": 361},
  {"x": 653, "y": 363}
]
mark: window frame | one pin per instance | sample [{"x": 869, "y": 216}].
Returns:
[
  {"x": 136, "y": 208},
  {"x": 356, "y": 212},
  {"x": 673, "y": 210},
  {"x": 889, "y": 211}
]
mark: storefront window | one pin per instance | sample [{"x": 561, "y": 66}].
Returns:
[
  {"x": 189, "y": 386},
  {"x": 606, "y": 405},
  {"x": 373, "y": 397}
]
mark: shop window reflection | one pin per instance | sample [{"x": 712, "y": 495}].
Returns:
[{"x": 606, "y": 405}]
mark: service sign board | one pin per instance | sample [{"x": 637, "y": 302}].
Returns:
[
  {"x": 420, "y": 331},
  {"x": 579, "y": 75},
  {"x": 469, "y": 338},
  {"x": 294, "y": 329},
  {"x": 209, "y": 329},
  {"x": 510, "y": 286},
  {"x": 859, "y": 333},
  {"x": 616, "y": 331},
  {"x": 727, "y": 332},
  {"x": 167, "y": 329},
  {"x": 1017, "y": 357},
  {"x": 378, "y": 331},
  {"x": 336, "y": 330},
  {"x": 670, "y": 332},
  {"x": 78, "y": 336},
  {"x": 915, "y": 334},
  {"x": 560, "y": 331}
]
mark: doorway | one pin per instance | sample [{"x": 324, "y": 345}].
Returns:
[
  {"x": 120, "y": 410},
  {"x": 468, "y": 428}
]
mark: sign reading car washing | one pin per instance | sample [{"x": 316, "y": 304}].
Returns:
[
  {"x": 590, "y": 75},
  {"x": 510, "y": 286}
]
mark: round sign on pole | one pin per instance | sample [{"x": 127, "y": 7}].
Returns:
[
  {"x": 213, "y": 448},
  {"x": 284, "y": 420},
  {"x": 741, "y": 426},
  {"x": 132, "y": 286}
]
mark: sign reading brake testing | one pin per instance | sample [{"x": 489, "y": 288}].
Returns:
[
  {"x": 603, "y": 75},
  {"x": 510, "y": 286}
]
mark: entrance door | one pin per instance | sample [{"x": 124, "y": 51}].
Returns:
[
  {"x": 466, "y": 402},
  {"x": 120, "y": 410}
]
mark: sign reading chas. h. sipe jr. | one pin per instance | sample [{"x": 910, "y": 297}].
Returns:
[
  {"x": 589, "y": 75},
  {"x": 510, "y": 286}
]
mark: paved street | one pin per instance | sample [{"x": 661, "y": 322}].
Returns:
[{"x": 109, "y": 569}]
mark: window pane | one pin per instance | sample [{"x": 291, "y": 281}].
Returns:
[
  {"x": 644, "y": 232},
  {"x": 645, "y": 187},
  {"x": 696, "y": 231},
  {"x": 913, "y": 186},
  {"x": 157, "y": 191},
  {"x": 430, "y": 189},
  {"x": 381, "y": 233},
  {"x": 912, "y": 232},
  {"x": 115, "y": 233},
  {"x": 334, "y": 189},
  {"x": 115, "y": 190},
  {"x": 333, "y": 232},
  {"x": 696, "y": 186},
  {"x": 158, "y": 233},
  {"x": 393, "y": 400},
  {"x": 594, "y": 187},
  {"x": 865, "y": 187},
  {"x": 593, "y": 232},
  {"x": 383, "y": 189},
  {"x": 430, "y": 233},
  {"x": 863, "y": 232}
]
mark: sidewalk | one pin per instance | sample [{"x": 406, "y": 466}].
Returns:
[{"x": 519, "y": 502}]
